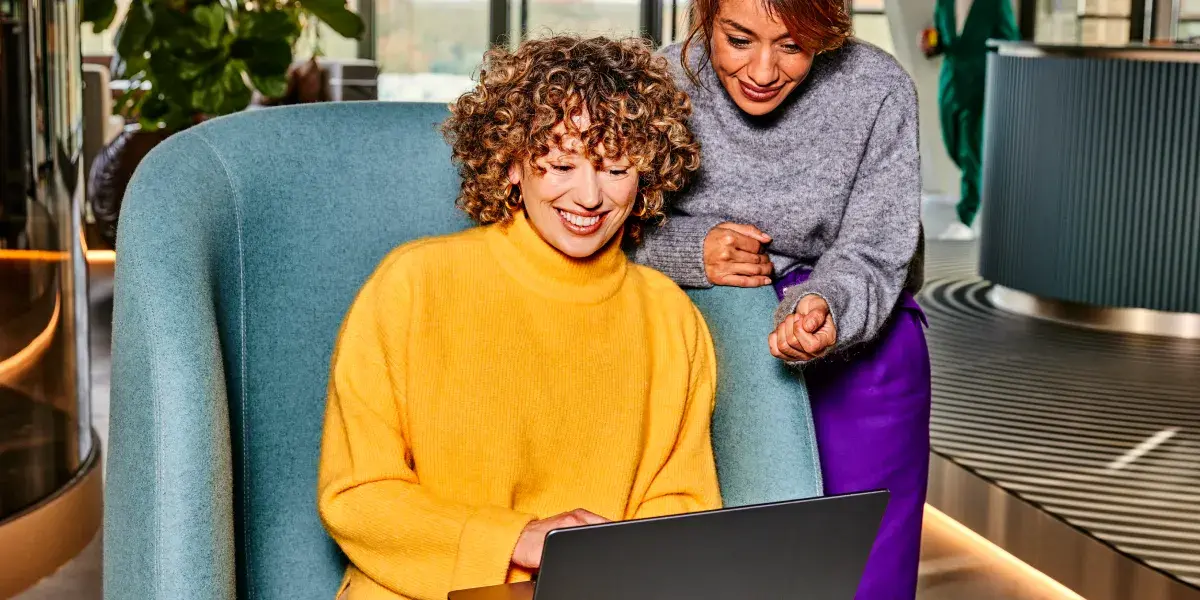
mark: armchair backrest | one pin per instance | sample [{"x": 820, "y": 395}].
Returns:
[{"x": 242, "y": 243}]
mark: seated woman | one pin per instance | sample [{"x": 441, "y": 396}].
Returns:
[{"x": 492, "y": 385}]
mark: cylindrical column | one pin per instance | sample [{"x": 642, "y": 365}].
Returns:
[
  {"x": 1091, "y": 186},
  {"x": 49, "y": 480}
]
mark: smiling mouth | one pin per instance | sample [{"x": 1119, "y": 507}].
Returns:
[
  {"x": 758, "y": 94},
  {"x": 579, "y": 224}
]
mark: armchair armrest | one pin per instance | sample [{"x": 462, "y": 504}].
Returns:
[
  {"x": 763, "y": 433},
  {"x": 168, "y": 514}
]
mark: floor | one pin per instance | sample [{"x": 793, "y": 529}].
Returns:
[
  {"x": 954, "y": 564},
  {"x": 1099, "y": 429}
]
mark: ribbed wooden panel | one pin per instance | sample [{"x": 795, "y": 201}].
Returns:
[{"x": 1091, "y": 187}]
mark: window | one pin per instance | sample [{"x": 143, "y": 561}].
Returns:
[
  {"x": 427, "y": 50},
  {"x": 1083, "y": 22},
  {"x": 871, "y": 23},
  {"x": 101, "y": 44},
  {"x": 1189, "y": 20},
  {"x": 326, "y": 42},
  {"x": 676, "y": 29},
  {"x": 617, "y": 18}
]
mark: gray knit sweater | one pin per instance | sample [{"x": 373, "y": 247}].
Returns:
[{"x": 832, "y": 175}]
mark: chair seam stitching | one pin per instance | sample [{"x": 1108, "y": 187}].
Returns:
[{"x": 237, "y": 216}]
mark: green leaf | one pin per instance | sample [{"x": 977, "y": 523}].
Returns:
[
  {"x": 269, "y": 58},
  {"x": 189, "y": 71},
  {"x": 274, "y": 86},
  {"x": 164, "y": 71},
  {"x": 268, "y": 25},
  {"x": 208, "y": 96},
  {"x": 154, "y": 107},
  {"x": 335, "y": 14},
  {"x": 211, "y": 21},
  {"x": 135, "y": 30},
  {"x": 99, "y": 13},
  {"x": 237, "y": 94}
]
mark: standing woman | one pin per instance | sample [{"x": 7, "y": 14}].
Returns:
[{"x": 810, "y": 181}]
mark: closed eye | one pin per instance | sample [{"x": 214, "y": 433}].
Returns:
[
  {"x": 738, "y": 42},
  {"x": 562, "y": 168},
  {"x": 617, "y": 172}
]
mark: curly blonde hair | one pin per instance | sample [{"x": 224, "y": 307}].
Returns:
[{"x": 633, "y": 106}]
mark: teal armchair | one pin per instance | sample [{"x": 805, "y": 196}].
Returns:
[{"x": 242, "y": 243}]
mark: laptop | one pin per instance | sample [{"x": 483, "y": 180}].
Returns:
[{"x": 815, "y": 548}]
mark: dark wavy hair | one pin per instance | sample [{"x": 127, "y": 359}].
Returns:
[{"x": 626, "y": 92}]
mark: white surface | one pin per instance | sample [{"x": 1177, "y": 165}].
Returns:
[
  {"x": 939, "y": 175},
  {"x": 423, "y": 87}
]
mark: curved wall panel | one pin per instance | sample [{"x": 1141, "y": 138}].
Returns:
[{"x": 1091, "y": 188}]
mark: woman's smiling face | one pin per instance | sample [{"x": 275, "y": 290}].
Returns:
[
  {"x": 573, "y": 205},
  {"x": 755, "y": 57}
]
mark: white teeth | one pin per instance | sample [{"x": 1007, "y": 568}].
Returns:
[{"x": 578, "y": 220}]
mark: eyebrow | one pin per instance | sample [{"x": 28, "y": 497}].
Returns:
[{"x": 747, "y": 31}]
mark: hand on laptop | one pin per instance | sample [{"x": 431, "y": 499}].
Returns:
[{"x": 528, "y": 553}]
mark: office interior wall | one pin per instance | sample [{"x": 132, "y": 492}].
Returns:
[{"x": 939, "y": 176}]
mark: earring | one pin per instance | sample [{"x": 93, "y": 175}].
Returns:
[{"x": 512, "y": 198}]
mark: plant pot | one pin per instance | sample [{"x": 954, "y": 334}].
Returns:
[{"x": 111, "y": 171}]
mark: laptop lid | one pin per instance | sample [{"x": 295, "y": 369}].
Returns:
[{"x": 815, "y": 548}]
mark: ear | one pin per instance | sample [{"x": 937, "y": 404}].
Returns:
[{"x": 514, "y": 174}]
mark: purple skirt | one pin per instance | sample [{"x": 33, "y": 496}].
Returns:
[{"x": 871, "y": 413}]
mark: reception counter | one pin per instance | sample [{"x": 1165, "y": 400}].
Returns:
[{"x": 1091, "y": 185}]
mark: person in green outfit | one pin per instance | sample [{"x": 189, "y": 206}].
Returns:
[{"x": 961, "y": 30}]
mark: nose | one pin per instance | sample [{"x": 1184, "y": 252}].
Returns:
[
  {"x": 762, "y": 69},
  {"x": 588, "y": 196}
]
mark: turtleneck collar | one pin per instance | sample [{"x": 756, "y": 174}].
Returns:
[{"x": 536, "y": 264}]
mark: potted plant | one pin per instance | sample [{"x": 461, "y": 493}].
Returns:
[{"x": 189, "y": 60}]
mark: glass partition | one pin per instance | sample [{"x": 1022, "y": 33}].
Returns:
[{"x": 45, "y": 432}]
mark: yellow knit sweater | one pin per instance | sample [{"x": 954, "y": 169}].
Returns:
[{"x": 483, "y": 380}]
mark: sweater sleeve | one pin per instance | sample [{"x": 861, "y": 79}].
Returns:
[
  {"x": 370, "y": 499},
  {"x": 862, "y": 273},
  {"x": 687, "y": 482},
  {"x": 677, "y": 249}
]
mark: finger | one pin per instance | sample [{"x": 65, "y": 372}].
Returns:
[
  {"x": 813, "y": 321},
  {"x": 744, "y": 243},
  {"x": 748, "y": 230},
  {"x": 809, "y": 343},
  {"x": 827, "y": 336},
  {"x": 590, "y": 518},
  {"x": 814, "y": 311},
  {"x": 789, "y": 345},
  {"x": 728, "y": 238},
  {"x": 744, "y": 281},
  {"x": 779, "y": 349},
  {"x": 733, "y": 255},
  {"x": 743, "y": 268}
]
